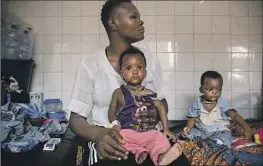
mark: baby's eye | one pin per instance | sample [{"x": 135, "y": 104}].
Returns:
[{"x": 128, "y": 68}]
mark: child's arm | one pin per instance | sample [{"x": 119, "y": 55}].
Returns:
[
  {"x": 162, "y": 109},
  {"x": 190, "y": 124},
  {"x": 112, "y": 113},
  {"x": 162, "y": 112},
  {"x": 238, "y": 119},
  {"x": 191, "y": 118}
]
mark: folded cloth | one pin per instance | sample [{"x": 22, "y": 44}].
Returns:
[{"x": 18, "y": 135}]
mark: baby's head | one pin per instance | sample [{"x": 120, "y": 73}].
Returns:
[
  {"x": 211, "y": 85},
  {"x": 132, "y": 66}
]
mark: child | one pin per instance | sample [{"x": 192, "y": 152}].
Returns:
[
  {"x": 126, "y": 101},
  {"x": 209, "y": 113}
]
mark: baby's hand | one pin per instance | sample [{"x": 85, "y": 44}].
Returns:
[
  {"x": 170, "y": 135},
  {"x": 186, "y": 130}
]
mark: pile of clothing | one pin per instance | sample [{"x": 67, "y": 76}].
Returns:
[{"x": 18, "y": 134}]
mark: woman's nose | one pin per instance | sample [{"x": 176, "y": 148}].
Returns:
[{"x": 141, "y": 22}]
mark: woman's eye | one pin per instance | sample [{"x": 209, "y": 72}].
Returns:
[{"x": 134, "y": 16}]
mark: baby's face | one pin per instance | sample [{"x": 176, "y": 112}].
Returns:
[
  {"x": 133, "y": 69},
  {"x": 212, "y": 88}
]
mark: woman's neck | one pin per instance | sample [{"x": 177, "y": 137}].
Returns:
[{"x": 116, "y": 46}]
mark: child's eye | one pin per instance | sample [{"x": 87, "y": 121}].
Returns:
[{"x": 128, "y": 68}]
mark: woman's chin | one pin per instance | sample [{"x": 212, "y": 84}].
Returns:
[{"x": 138, "y": 38}]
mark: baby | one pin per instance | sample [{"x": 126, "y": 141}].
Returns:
[
  {"x": 127, "y": 101},
  {"x": 209, "y": 113}
]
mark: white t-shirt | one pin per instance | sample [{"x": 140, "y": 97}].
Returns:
[
  {"x": 96, "y": 80},
  {"x": 213, "y": 120}
]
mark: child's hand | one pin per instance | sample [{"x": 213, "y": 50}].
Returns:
[
  {"x": 248, "y": 132},
  {"x": 186, "y": 130},
  {"x": 170, "y": 135}
]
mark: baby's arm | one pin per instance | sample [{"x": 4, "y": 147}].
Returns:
[
  {"x": 190, "y": 124},
  {"x": 192, "y": 119},
  {"x": 112, "y": 113},
  {"x": 162, "y": 109},
  {"x": 162, "y": 112},
  {"x": 238, "y": 119}
]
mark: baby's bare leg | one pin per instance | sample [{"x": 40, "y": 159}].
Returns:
[{"x": 171, "y": 154}]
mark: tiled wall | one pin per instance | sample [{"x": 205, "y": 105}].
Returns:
[{"x": 188, "y": 37}]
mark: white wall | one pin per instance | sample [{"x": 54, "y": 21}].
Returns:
[{"x": 189, "y": 38}]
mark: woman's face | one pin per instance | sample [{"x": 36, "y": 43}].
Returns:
[{"x": 129, "y": 25}]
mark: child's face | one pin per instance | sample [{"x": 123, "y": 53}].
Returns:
[
  {"x": 212, "y": 88},
  {"x": 133, "y": 69}
]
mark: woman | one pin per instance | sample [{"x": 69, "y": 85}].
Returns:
[{"x": 98, "y": 76}]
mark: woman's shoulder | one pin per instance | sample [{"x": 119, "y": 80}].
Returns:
[
  {"x": 94, "y": 59},
  {"x": 94, "y": 56}
]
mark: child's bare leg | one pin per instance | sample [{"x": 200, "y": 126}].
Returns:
[{"x": 170, "y": 155}]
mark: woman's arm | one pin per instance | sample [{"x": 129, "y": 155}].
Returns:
[
  {"x": 108, "y": 141},
  {"x": 80, "y": 105},
  {"x": 82, "y": 128}
]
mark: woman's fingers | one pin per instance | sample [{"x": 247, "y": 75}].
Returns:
[
  {"x": 148, "y": 127},
  {"x": 112, "y": 152},
  {"x": 109, "y": 147},
  {"x": 116, "y": 135},
  {"x": 99, "y": 155},
  {"x": 106, "y": 155},
  {"x": 117, "y": 145}
]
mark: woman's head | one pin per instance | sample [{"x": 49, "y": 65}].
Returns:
[
  {"x": 122, "y": 19},
  {"x": 133, "y": 66},
  {"x": 211, "y": 85}
]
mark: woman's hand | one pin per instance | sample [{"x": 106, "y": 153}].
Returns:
[
  {"x": 109, "y": 145},
  {"x": 148, "y": 118}
]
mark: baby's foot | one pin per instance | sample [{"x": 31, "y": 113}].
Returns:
[{"x": 170, "y": 155}]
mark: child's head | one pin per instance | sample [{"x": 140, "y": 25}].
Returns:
[
  {"x": 133, "y": 66},
  {"x": 211, "y": 85}
]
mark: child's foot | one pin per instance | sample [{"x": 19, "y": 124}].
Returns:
[{"x": 170, "y": 155}]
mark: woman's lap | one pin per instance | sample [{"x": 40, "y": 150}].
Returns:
[{"x": 182, "y": 160}]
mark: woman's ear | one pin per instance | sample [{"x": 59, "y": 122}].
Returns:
[
  {"x": 112, "y": 24},
  {"x": 200, "y": 89}
]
